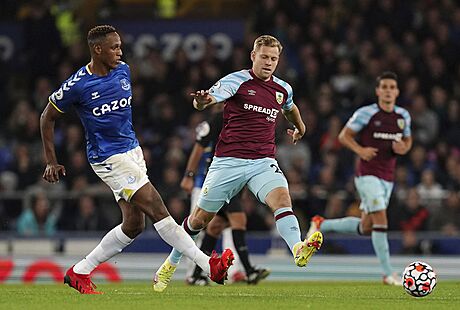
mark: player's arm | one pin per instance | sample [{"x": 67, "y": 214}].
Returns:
[
  {"x": 202, "y": 99},
  {"x": 402, "y": 146},
  {"x": 187, "y": 181},
  {"x": 294, "y": 117},
  {"x": 47, "y": 121},
  {"x": 348, "y": 138}
]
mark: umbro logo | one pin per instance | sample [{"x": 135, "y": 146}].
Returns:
[
  {"x": 251, "y": 92},
  {"x": 95, "y": 95}
]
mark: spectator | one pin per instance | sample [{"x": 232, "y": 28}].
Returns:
[
  {"x": 430, "y": 191},
  {"x": 413, "y": 215},
  {"x": 447, "y": 219},
  {"x": 39, "y": 220},
  {"x": 83, "y": 216}
]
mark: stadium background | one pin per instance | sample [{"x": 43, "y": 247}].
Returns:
[{"x": 333, "y": 50}]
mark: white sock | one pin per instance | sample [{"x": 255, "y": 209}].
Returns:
[
  {"x": 112, "y": 244},
  {"x": 176, "y": 237}
]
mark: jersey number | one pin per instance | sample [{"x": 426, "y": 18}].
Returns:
[{"x": 277, "y": 169}]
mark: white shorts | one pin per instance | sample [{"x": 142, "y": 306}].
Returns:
[{"x": 124, "y": 173}]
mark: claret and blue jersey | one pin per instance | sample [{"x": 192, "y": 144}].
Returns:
[
  {"x": 379, "y": 129},
  {"x": 103, "y": 104},
  {"x": 251, "y": 107}
]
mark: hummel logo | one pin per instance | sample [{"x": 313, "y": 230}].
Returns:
[
  {"x": 95, "y": 95},
  {"x": 251, "y": 92}
]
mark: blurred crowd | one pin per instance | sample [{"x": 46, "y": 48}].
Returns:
[{"x": 333, "y": 51}]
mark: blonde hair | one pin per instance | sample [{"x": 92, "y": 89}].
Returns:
[{"x": 267, "y": 40}]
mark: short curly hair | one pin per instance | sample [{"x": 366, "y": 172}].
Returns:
[{"x": 99, "y": 32}]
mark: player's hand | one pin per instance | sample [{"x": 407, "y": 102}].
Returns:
[
  {"x": 295, "y": 134},
  {"x": 201, "y": 96},
  {"x": 399, "y": 147},
  {"x": 53, "y": 172},
  {"x": 368, "y": 153},
  {"x": 187, "y": 184}
]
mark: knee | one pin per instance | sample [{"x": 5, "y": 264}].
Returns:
[
  {"x": 133, "y": 225},
  {"x": 133, "y": 231}
]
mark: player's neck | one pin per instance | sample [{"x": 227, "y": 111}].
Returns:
[
  {"x": 386, "y": 106},
  {"x": 98, "y": 68},
  {"x": 260, "y": 78}
]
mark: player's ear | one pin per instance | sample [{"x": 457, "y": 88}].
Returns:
[
  {"x": 97, "y": 49},
  {"x": 253, "y": 55}
]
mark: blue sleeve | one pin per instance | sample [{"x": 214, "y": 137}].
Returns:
[
  {"x": 227, "y": 86},
  {"x": 407, "y": 130},
  {"x": 407, "y": 121},
  {"x": 69, "y": 92},
  {"x": 289, "y": 103},
  {"x": 360, "y": 118}
]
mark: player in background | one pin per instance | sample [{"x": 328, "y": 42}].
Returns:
[
  {"x": 384, "y": 133},
  {"x": 101, "y": 94},
  {"x": 230, "y": 215},
  {"x": 245, "y": 151}
]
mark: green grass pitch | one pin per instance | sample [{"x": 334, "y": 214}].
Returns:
[{"x": 267, "y": 295}]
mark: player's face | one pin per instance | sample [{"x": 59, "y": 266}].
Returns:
[
  {"x": 264, "y": 61},
  {"x": 111, "y": 50},
  {"x": 387, "y": 92}
]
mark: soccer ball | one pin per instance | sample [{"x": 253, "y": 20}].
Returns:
[{"x": 419, "y": 279}]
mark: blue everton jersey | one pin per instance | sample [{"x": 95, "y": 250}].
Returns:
[{"x": 103, "y": 104}]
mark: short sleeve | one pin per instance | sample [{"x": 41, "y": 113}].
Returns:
[
  {"x": 68, "y": 94},
  {"x": 227, "y": 86},
  {"x": 360, "y": 118}
]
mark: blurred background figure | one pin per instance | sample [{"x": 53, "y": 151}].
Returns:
[{"x": 39, "y": 220}]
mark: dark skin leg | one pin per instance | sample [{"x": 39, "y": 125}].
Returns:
[{"x": 145, "y": 202}]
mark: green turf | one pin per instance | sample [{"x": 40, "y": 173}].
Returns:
[{"x": 267, "y": 295}]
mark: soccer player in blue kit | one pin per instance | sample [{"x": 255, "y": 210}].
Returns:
[
  {"x": 384, "y": 132},
  {"x": 101, "y": 94},
  {"x": 245, "y": 152}
]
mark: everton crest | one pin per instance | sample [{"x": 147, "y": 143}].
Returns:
[{"x": 125, "y": 84}]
